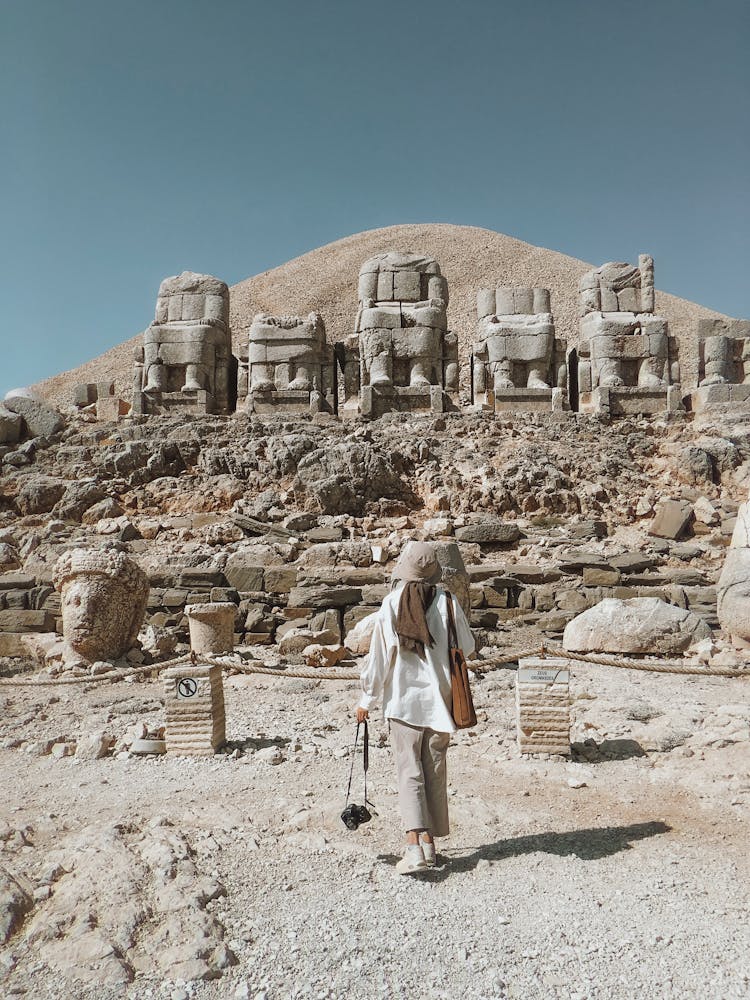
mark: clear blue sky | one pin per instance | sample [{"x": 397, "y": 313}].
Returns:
[{"x": 149, "y": 136}]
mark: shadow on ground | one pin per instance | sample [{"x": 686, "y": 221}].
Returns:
[
  {"x": 253, "y": 743},
  {"x": 587, "y": 845},
  {"x": 593, "y": 753}
]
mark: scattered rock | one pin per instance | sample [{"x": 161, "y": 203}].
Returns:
[
  {"x": 489, "y": 531},
  {"x": 672, "y": 519},
  {"x": 16, "y": 902},
  {"x": 317, "y": 655},
  {"x": 94, "y": 746}
]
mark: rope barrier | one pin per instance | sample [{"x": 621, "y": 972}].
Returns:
[
  {"x": 241, "y": 666},
  {"x": 653, "y": 665}
]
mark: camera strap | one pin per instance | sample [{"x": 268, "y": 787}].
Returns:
[{"x": 365, "y": 760}]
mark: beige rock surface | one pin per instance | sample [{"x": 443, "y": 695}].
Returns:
[{"x": 325, "y": 280}]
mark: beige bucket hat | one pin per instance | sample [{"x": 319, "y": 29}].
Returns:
[{"x": 418, "y": 563}]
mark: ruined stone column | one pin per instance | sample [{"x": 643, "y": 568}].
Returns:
[
  {"x": 211, "y": 627},
  {"x": 717, "y": 355}
]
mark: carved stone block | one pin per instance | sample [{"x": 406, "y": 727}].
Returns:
[{"x": 723, "y": 363}]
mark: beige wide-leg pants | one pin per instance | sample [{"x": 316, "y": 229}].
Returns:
[{"x": 422, "y": 777}]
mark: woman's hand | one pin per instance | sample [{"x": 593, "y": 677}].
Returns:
[{"x": 362, "y": 714}]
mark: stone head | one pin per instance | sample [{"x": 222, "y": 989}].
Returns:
[{"x": 104, "y": 596}]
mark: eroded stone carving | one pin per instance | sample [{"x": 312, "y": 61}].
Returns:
[
  {"x": 104, "y": 595},
  {"x": 288, "y": 364},
  {"x": 723, "y": 363},
  {"x": 402, "y": 356},
  {"x": 517, "y": 362},
  {"x": 185, "y": 361},
  {"x": 628, "y": 361},
  {"x": 733, "y": 588}
]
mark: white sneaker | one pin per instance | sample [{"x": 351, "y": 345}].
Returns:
[
  {"x": 430, "y": 855},
  {"x": 412, "y": 861}
]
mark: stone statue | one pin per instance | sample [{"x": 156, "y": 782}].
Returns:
[
  {"x": 733, "y": 588},
  {"x": 628, "y": 360},
  {"x": 185, "y": 362},
  {"x": 723, "y": 363},
  {"x": 517, "y": 363},
  {"x": 104, "y": 595},
  {"x": 402, "y": 356},
  {"x": 288, "y": 365}
]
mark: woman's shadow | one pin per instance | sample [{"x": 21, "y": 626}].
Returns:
[{"x": 588, "y": 845}]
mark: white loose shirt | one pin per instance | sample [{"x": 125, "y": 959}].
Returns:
[{"x": 414, "y": 690}]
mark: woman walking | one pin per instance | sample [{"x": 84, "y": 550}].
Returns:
[{"x": 408, "y": 671}]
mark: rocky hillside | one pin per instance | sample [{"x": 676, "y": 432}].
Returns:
[{"x": 298, "y": 521}]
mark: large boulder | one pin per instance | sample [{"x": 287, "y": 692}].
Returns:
[
  {"x": 40, "y": 419},
  {"x": 645, "y": 625},
  {"x": 672, "y": 519},
  {"x": 11, "y": 425},
  {"x": 358, "y": 639},
  {"x": 733, "y": 588}
]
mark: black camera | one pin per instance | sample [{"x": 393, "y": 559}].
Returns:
[{"x": 353, "y": 816}]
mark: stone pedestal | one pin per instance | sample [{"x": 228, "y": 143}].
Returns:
[
  {"x": 723, "y": 364},
  {"x": 627, "y": 358},
  {"x": 287, "y": 366},
  {"x": 211, "y": 627},
  {"x": 194, "y": 710},
  {"x": 543, "y": 705}
]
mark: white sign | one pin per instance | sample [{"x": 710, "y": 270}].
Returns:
[{"x": 543, "y": 675}]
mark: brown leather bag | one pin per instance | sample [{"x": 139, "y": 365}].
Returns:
[{"x": 462, "y": 708}]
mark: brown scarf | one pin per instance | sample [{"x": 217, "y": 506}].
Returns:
[{"x": 411, "y": 622}]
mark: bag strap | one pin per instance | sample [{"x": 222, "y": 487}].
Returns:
[
  {"x": 452, "y": 630},
  {"x": 365, "y": 759}
]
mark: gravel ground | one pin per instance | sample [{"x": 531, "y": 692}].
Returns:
[{"x": 622, "y": 873}]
